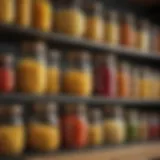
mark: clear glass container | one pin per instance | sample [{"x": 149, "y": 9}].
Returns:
[{"x": 31, "y": 68}]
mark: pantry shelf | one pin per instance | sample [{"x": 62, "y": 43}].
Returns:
[{"x": 12, "y": 32}]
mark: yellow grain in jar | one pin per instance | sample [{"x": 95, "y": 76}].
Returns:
[{"x": 7, "y": 11}]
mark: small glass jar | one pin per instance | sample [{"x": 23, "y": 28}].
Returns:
[
  {"x": 53, "y": 72},
  {"x": 95, "y": 127},
  {"x": 143, "y": 36},
  {"x": 74, "y": 126},
  {"x": 7, "y": 73},
  {"x": 23, "y": 12},
  {"x": 132, "y": 125},
  {"x": 143, "y": 127},
  {"x": 43, "y": 128},
  {"x": 31, "y": 68},
  {"x": 69, "y": 18},
  {"x": 127, "y": 31},
  {"x": 105, "y": 73},
  {"x": 12, "y": 131},
  {"x": 124, "y": 80},
  {"x": 42, "y": 15},
  {"x": 94, "y": 22},
  {"x": 114, "y": 127},
  {"x": 111, "y": 28},
  {"x": 7, "y": 11},
  {"x": 77, "y": 77}
]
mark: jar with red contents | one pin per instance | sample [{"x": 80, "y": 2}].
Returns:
[
  {"x": 7, "y": 76},
  {"x": 105, "y": 75},
  {"x": 74, "y": 126},
  {"x": 153, "y": 126}
]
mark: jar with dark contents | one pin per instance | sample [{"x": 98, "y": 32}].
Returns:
[
  {"x": 43, "y": 128},
  {"x": 127, "y": 30},
  {"x": 143, "y": 36},
  {"x": 105, "y": 73},
  {"x": 111, "y": 28},
  {"x": 7, "y": 73},
  {"x": 94, "y": 21},
  {"x": 77, "y": 76},
  {"x": 114, "y": 127},
  {"x": 95, "y": 136},
  {"x": 12, "y": 132},
  {"x": 74, "y": 126}
]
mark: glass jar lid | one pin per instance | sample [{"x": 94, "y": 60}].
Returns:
[
  {"x": 113, "y": 112},
  {"x": 6, "y": 59},
  {"x": 111, "y": 16},
  {"x": 95, "y": 115}
]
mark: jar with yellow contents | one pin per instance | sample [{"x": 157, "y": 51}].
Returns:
[
  {"x": 7, "y": 11},
  {"x": 111, "y": 28},
  {"x": 94, "y": 22},
  {"x": 42, "y": 15},
  {"x": 69, "y": 18},
  {"x": 53, "y": 72},
  {"x": 114, "y": 127},
  {"x": 31, "y": 68},
  {"x": 95, "y": 136},
  {"x": 43, "y": 129},
  {"x": 77, "y": 77},
  {"x": 12, "y": 133}
]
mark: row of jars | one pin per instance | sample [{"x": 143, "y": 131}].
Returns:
[
  {"x": 39, "y": 71},
  {"x": 88, "y": 22},
  {"x": 74, "y": 127}
]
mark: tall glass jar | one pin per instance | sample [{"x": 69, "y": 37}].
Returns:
[
  {"x": 42, "y": 15},
  {"x": 74, "y": 126},
  {"x": 114, "y": 127},
  {"x": 53, "y": 72},
  {"x": 94, "y": 21},
  {"x": 105, "y": 73},
  {"x": 12, "y": 132},
  {"x": 111, "y": 28},
  {"x": 132, "y": 125},
  {"x": 95, "y": 135},
  {"x": 7, "y": 73},
  {"x": 31, "y": 68},
  {"x": 77, "y": 77},
  {"x": 127, "y": 30},
  {"x": 143, "y": 36},
  {"x": 70, "y": 18},
  {"x": 124, "y": 80},
  {"x": 7, "y": 11},
  {"x": 43, "y": 128}
]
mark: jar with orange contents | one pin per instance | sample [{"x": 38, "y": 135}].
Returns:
[
  {"x": 77, "y": 77},
  {"x": 43, "y": 129},
  {"x": 94, "y": 21},
  {"x": 12, "y": 131},
  {"x": 124, "y": 80}
]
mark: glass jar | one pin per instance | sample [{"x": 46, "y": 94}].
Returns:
[
  {"x": 95, "y": 135},
  {"x": 77, "y": 77},
  {"x": 124, "y": 80},
  {"x": 42, "y": 15},
  {"x": 94, "y": 21},
  {"x": 70, "y": 18},
  {"x": 143, "y": 127},
  {"x": 114, "y": 127},
  {"x": 12, "y": 132},
  {"x": 44, "y": 129},
  {"x": 143, "y": 36},
  {"x": 7, "y": 11},
  {"x": 74, "y": 126},
  {"x": 127, "y": 31},
  {"x": 111, "y": 28},
  {"x": 132, "y": 125},
  {"x": 7, "y": 73},
  {"x": 105, "y": 73},
  {"x": 31, "y": 68},
  {"x": 53, "y": 72},
  {"x": 23, "y": 12}
]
